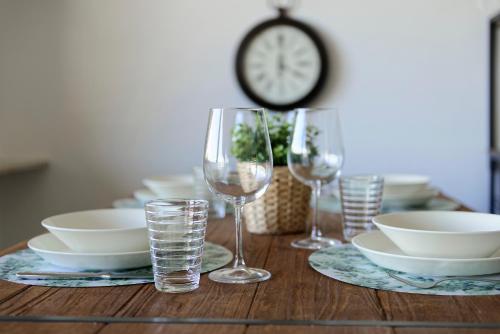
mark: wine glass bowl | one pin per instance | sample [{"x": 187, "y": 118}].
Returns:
[
  {"x": 315, "y": 157},
  {"x": 238, "y": 168},
  {"x": 234, "y": 187}
]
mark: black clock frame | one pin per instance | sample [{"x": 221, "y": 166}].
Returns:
[{"x": 281, "y": 20}]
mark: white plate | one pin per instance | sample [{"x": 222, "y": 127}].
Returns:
[
  {"x": 443, "y": 234},
  {"x": 418, "y": 198},
  {"x": 98, "y": 231},
  {"x": 55, "y": 252},
  {"x": 383, "y": 252}
]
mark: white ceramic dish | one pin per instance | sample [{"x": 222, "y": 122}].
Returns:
[
  {"x": 171, "y": 186},
  {"x": 416, "y": 199},
  {"x": 401, "y": 199},
  {"x": 127, "y": 203},
  {"x": 398, "y": 184},
  {"x": 383, "y": 252},
  {"x": 176, "y": 192},
  {"x": 332, "y": 204},
  {"x": 444, "y": 234},
  {"x": 145, "y": 195},
  {"x": 97, "y": 231},
  {"x": 55, "y": 252}
]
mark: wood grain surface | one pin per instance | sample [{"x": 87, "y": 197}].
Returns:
[{"x": 295, "y": 292}]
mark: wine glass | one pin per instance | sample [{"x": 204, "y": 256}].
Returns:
[
  {"x": 238, "y": 166},
  {"x": 315, "y": 157}
]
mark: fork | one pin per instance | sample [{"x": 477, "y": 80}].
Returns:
[{"x": 430, "y": 285}]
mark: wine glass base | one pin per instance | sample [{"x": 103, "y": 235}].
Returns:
[
  {"x": 239, "y": 275},
  {"x": 316, "y": 243}
]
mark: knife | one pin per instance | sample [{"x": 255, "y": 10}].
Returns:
[{"x": 69, "y": 275}]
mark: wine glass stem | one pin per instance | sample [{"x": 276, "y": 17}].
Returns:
[
  {"x": 316, "y": 192},
  {"x": 238, "y": 257}
]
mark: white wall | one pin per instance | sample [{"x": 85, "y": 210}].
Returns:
[{"x": 116, "y": 90}]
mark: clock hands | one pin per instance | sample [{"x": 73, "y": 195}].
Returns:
[
  {"x": 281, "y": 65},
  {"x": 281, "y": 40},
  {"x": 281, "y": 87},
  {"x": 281, "y": 61},
  {"x": 298, "y": 74},
  {"x": 281, "y": 68},
  {"x": 304, "y": 63},
  {"x": 267, "y": 45},
  {"x": 260, "y": 77},
  {"x": 269, "y": 84},
  {"x": 300, "y": 51}
]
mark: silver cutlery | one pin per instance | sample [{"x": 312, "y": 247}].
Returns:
[
  {"x": 429, "y": 285},
  {"x": 69, "y": 275}
]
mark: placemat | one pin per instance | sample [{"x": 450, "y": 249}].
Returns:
[
  {"x": 345, "y": 263},
  {"x": 214, "y": 257}
]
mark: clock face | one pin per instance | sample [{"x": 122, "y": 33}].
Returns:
[{"x": 281, "y": 65}]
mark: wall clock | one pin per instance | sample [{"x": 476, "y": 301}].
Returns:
[{"x": 281, "y": 63}]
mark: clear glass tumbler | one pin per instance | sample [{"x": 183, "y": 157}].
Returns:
[
  {"x": 361, "y": 198},
  {"x": 176, "y": 230}
]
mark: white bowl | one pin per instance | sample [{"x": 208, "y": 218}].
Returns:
[
  {"x": 57, "y": 253},
  {"x": 101, "y": 231},
  {"x": 384, "y": 253},
  {"x": 145, "y": 195},
  {"x": 397, "y": 184},
  {"x": 442, "y": 234},
  {"x": 171, "y": 186}
]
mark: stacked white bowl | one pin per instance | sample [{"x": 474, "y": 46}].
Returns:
[
  {"x": 407, "y": 190},
  {"x": 172, "y": 186},
  {"x": 181, "y": 186},
  {"x": 442, "y": 234},
  {"x": 107, "y": 239},
  {"x": 438, "y": 243}
]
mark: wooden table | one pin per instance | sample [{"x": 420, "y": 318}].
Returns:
[{"x": 297, "y": 299}]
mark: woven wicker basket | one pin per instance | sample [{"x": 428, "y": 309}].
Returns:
[{"x": 284, "y": 208}]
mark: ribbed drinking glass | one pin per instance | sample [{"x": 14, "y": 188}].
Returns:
[
  {"x": 176, "y": 230},
  {"x": 361, "y": 199}
]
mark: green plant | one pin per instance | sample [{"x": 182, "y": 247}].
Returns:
[{"x": 248, "y": 145}]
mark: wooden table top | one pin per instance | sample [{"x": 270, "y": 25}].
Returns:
[{"x": 297, "y": 299}]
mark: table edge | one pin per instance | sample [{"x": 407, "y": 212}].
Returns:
[{"x": 253, "y": 322}]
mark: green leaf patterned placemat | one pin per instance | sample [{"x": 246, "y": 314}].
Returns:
[
  {"x": 214, "y": 257},
  {"x": 345, "y": 263}
]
